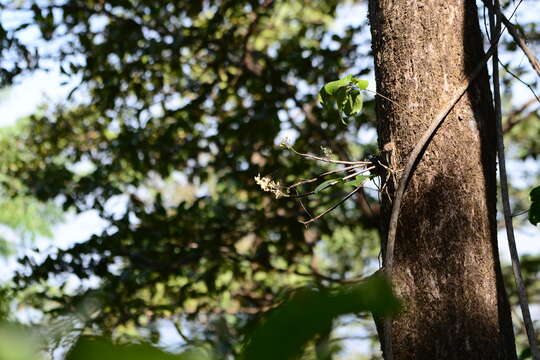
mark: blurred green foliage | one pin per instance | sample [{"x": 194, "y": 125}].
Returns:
[
  {"x": 534, "y": 210},
  {"x": 286, "y": 330},
  {"x": 282, "y": 333},
  {"x": 17, "y": 343},
  {"x": 188, "y": 100},
  {"x": 90, "y": 348},
  {"x": 26, "y": 216}
]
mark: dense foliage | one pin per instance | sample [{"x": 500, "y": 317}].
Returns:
[{"x": 180, "y": 107}]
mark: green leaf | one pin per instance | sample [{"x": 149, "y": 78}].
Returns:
[
  {"x": 90, "y": 348},
  {"x": 358, "y": 181},
  {"x": 353, "y": 103},
  {"x": 326, "y": 184},
  {"x": 534, "y": 213},
  {"x": 525, "y": 354},
  {"x": 535, "y": 194},
  {"x": 361, "y": 84},
  {"x": 18, "y": 344},
  {"x": 345, "y": 94},
  {"x": 325, "y": 98},
  {"x": 285, "y": 330},
  {"x": 333, "y": 86},
  {"x": 341, "y": 99}
]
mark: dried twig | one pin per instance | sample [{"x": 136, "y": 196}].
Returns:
[
  {"x": 319, "y": 177},
  {"x": 302, "y": 204},
  {"x": 514, "y": 118},
  {"x": 302, "y": 195},
  {"x": 518, "y": 38},
  {"x": 332, "y": 207},
  {"x": 357, "y": 173},
  {"x": 520, "y": 80},
  {"x": 327, "y": 160}
]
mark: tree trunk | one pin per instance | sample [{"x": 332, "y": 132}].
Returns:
[{"x": 446, "y": 270}]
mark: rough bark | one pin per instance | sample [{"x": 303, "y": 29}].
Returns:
[{"x": 446, "y": 268}]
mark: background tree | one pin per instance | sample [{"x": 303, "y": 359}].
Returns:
[
  {"x": 188, "y": 101},
  {"x": 22, "y": 218}
]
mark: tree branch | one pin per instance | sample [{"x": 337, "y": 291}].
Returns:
[
  {"x": 518, "y": 38},
  {"x": 332, "y": 207},
  {"x": 514, "y": 118},
  {"x": 327, "y": 160},
  {"x": 319, "y": 177},
  {"x": 495, "y": 17},
  {"x": 371, "y": 215}
]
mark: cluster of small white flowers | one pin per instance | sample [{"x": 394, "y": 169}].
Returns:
[
  {"x": 285, "y": 143},
  {"x": 327, "y": 152},
  {"x": 267, "y": 184}
]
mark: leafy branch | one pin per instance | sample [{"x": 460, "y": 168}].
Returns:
[
  {"x": 342, "y": 99},
  {"x": 534, "y": 210}
]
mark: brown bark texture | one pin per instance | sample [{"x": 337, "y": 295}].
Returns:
[{"x": 446, "y": 269}]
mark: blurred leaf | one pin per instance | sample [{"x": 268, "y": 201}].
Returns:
[
  {"x": 286, "y": 329},
  {"x": 92, "y": 348},
  {"x": 18, "y": 344},
  {"x": 358, "y": 180},
  {"x": 525, "y": 354},
  {"x": 534, "y": 211},
  {"x": 535, "y": 194},
  {"x": 326, "y": 184},
  {"x": 361, "y": 84}
]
